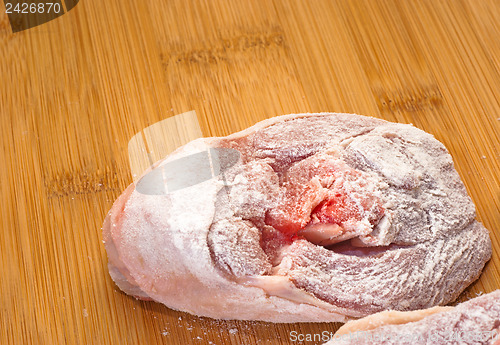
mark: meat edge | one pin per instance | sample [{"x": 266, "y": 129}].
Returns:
[{"x": 389, "y": 317}]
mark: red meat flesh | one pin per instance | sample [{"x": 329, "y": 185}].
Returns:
[{"x": 319, "y": 205}]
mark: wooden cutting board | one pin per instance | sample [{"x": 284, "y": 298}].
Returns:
[{"x": 75, "y": 90}]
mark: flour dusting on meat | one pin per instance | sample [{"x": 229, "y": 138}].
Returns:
[
  {"x": 370, "y": 187},
  {"x": 474, "y": 322},
  {"x": 325, "y": 217}
]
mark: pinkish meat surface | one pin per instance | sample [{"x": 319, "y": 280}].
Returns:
[
  {"x": 476, "y": 321},
  {"x": 325, "y": 217}
]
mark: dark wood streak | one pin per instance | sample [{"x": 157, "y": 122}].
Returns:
[
  {"x": 82, "y": 182},
  {"x": 226, "y": 49},
  {"x": 409, "y": 100}
]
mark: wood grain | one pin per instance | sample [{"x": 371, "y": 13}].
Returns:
[{"x": 74, "y": 91}]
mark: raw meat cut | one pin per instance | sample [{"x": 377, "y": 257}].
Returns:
[
  {"x": 476, "y": 321},
  {"x": 317, "y": 217}
]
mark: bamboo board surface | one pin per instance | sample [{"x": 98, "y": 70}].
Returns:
[{"x": 74, "y": 91}]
